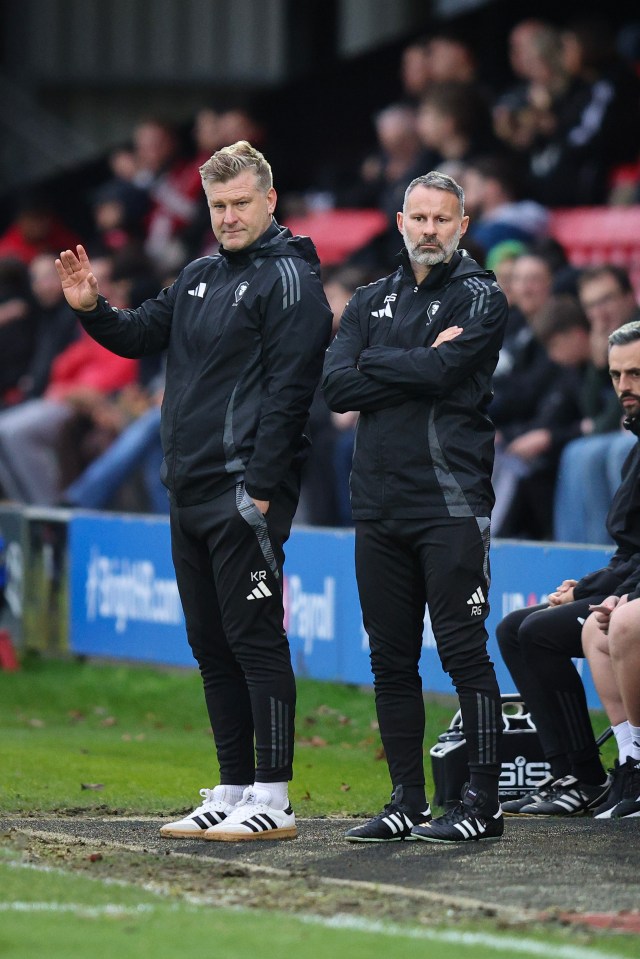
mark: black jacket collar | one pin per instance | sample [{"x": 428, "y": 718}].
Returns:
[{"x": 437, "y": 276}]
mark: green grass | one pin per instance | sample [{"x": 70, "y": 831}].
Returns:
[
  {"x": 67, "y": 916},
  {"x": 141, "y": 735}
]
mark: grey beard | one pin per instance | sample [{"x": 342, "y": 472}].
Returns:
[
  {"x": 432, "y": 257},
  {"x": 427, "y": 257}
]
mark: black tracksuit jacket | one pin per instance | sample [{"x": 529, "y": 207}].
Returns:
[
  {"x": 424, "y": 443},
  {"x": 622, "y": 573},
  {"x": 245, "y": 335}
]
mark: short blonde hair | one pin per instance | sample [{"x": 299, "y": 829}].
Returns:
[{"x": 231, "y": 161}]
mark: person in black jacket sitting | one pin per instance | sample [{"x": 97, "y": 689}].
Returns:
[
  {"x": 414, "y": 354},
  {"x": 539, "y": 643},
  {"x": 245, "y": 333}
]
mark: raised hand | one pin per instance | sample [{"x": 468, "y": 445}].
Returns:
[{"x": 79, "y": 285}]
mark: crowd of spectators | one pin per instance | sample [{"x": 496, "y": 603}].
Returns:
[{"x": 565, "y": 131}]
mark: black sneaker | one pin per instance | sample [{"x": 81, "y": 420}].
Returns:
[
  {"x": 467, "y": 821},
  {"x": 570, "y": 797},
  {"x": 629, "y": 805},
  {"x": 514, "y": 807},
  {"x": 616, "y": 793},
  {"x": 393, "y": 824}
]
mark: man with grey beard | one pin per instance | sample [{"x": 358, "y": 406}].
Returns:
[{"x": 414, "y": 354}]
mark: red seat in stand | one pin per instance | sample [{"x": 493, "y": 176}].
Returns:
[
  {"x": 338, "y": 233},
  {"x": 600, "y": 234}
]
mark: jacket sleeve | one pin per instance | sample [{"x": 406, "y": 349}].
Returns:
[
  {"x": 294, "y": 340},
  {"x": 132, "y": 333},
  {"x": 429, "y": 371},
  {"x": 344, "y": 385},
  {"x": 612, "y": 579}
]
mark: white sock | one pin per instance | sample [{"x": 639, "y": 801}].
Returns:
[
  {"x": 233, "y": 794},
  {"x": 634, "y": 750},
  {"x": 279, "y": 793},
  {"x": 623, "y": 739}
]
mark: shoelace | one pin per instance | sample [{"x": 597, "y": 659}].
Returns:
[
  {"x": 456, "y": 813},
  {"x": 252, "y": 799},
  {"x": 207, "y": 795},
  {"x": 390, "y": 807},
  {"x": 562, "y": 786}
]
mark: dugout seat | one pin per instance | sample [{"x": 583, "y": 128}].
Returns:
[
  {"x": 600, "y": 234},
  {"x": 338, "y": 233}
]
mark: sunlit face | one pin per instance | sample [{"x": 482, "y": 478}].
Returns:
[
  {"x": 431, "y": 225},
  {"x": 240, "y": 210},
  {"x": 624, "y": 369}
]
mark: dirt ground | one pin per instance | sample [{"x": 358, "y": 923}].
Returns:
[{"x": 579, "y": 871}]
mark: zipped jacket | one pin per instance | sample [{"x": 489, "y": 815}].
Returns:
[
  {"x": 245, "y": 335},
  {"x": 622, "y": 573},
  {"x": 424, "y": 444}
]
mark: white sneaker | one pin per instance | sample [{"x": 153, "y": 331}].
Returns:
[
  {"x": 255, "y": 818},
  {"x": 213, "y": 810}
]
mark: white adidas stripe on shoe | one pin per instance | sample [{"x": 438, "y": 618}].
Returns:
[
  {"x": 255, "y": 818},
  {"x": 212, "y": 811}
]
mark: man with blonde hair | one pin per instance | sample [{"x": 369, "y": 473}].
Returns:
[{"x": 245, "y": 333}]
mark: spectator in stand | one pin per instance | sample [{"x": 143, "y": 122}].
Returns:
[
  {"x": 35, "y": 326},
  {"x": 561, "y": 120},
  {"x": 589, "y": 471},
  {"x": 493, "y": 194},
  {"x": 118, "y": 209},
  {"x": 136, "y": 450},
  {"x": 415, "y": 69},
  {"x": 56, "y": 326},
  {"x": 524, "y": 111},
  {"x": 81, "y": 375},
  {"x": 339, "y": 291},
  {"x": 606, "y": 108},
  {"x": 238, "y": 124},
  {"x": 173, "y": 187},
  {"x": 524, "y": 369},
  {"x": 501, "y": 260},
  {"x": 610, "y": 639},
  {"x": 206, "y": 133},
  {"x": 382, "y": 178},
  {"x": 451, "y": 59},
  {"x": 438, "y": 59},
  {"x": 453, "y": 123},
  {"x": 35, "y": 229},
  {"x": 528, "y": 452},
  {"x": 17, "y": 330},
  {"x": 324, "y": 498}
]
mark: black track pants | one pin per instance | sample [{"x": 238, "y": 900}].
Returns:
[
  {"x": 228, "y": 559},
  {"x": 538, "y": 644},
  {"x": 400, "y": 566}
]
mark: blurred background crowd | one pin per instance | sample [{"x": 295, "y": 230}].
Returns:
[{"x": 557, "y": 130}]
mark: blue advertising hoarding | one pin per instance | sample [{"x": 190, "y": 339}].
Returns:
[{"x": 124, "y": 600}]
